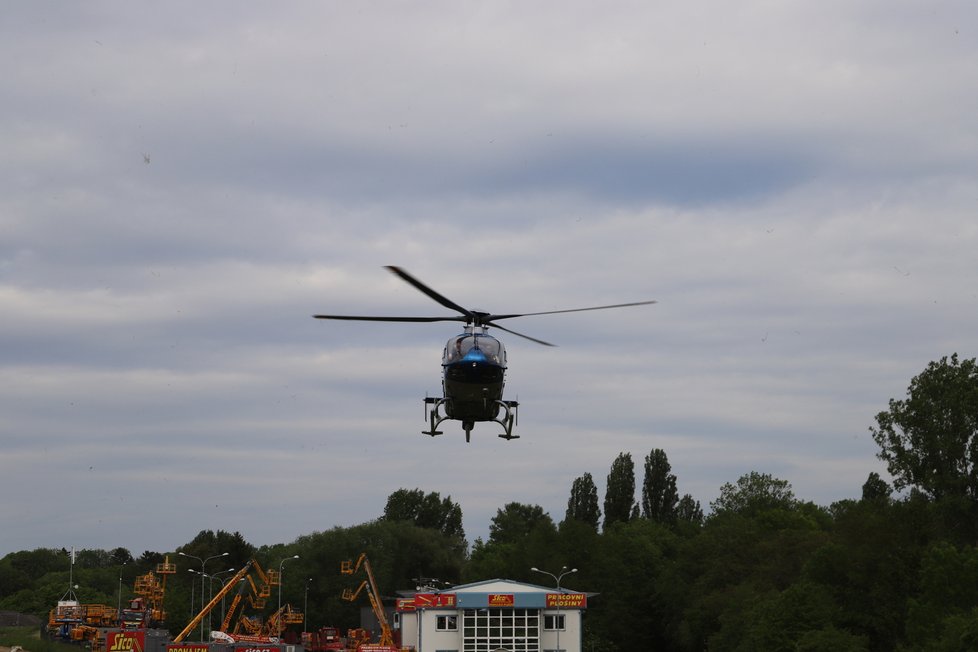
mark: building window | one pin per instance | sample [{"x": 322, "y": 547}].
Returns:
[
  {"x": 447, "y": 623},
  {"x": 554, "y": 622},
  {"x": 486, "y": 630}
]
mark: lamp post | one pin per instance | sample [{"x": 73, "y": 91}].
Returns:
[
  {"x": 119, "y": 612},
  {"x": 221, "y": 580},
  {"x": 280, "y": 581},
  {"x": 210, "y": 592},
  {"x": 557, "y": 578},
  {"x": 305, "y": 607},
  {"x": 203, "y": 563}
]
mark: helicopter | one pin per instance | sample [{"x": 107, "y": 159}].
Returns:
[{"x": 473, "y": 363}]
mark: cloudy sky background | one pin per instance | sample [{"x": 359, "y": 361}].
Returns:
[{"x": 182, "y": 185}]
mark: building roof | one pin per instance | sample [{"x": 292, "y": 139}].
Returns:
[{"x": 501, "y": 585}]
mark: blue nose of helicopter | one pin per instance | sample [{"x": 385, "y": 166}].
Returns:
[{"x": 474, "y": 356}]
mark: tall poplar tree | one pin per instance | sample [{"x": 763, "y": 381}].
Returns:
[
  {"x": 659, "y": 494},
  {"x": 583, "y": 502},
  {"x": 619, "y": 495}
]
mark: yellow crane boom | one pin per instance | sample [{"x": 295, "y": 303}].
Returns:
[
  {"x": 349, "y": 568},
  {"x": 214, "y": 602}
]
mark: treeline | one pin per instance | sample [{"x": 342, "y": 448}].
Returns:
[{"x": 894, "y": 569}]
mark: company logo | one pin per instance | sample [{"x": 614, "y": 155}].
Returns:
[
  {"x": 501, "y": 600},
  {"x": 124, "y": 641},
  {"x": 186, "y": 648}
]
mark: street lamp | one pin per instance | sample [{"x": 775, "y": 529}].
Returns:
[
  {"x": 119, "y": 612},
  {"x": 203, "y": 563},
  {"x": 557, "y": 578},
  {"x": 222, "y": 581},
  {"x": 280, "y": 582},
  {"x": 305, "y": 607},
  {"x": 210, "y": 591}
]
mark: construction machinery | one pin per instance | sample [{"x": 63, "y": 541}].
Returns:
[
  {"x": 256, "y": 599},
  {"x": 146, "y": 609},
  {"x": 73, "y": 621},
  {"x": 214, "y": 601},
  {"x": 386, "y": 643},
  {"x": 89, "y": 623},
  {"x": 253, "y": 586},
  {"x": 327, "y": 639}
]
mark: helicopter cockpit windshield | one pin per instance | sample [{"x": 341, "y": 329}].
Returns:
[{"x": 475, "y": 347}]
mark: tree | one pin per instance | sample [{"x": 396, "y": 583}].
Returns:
[
  {"x": 948, "y": 593},
  {"x": 520, "y": 536},
  {"x": 583, "y": 502},
  {"x": 120, "y": 556},
  {"x": 688, "y": 510},
  {"x": 208, "y": 543},
  {"x": 875, "y": 488},
  {"x": 515, "y": 521},
  {"x": 426, "y": 510},
  {"x": 753, "y": 493},
  {"x": 619, "y": 495},
  {"x": 659, "y": 494},
  {"x": 930, "y": 439}
]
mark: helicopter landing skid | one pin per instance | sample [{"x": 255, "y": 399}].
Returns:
[
  {"x": 435, "y": 417},
  {"x": 509, "y": 418}
]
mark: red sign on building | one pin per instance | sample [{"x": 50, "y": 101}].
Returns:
[
  {"x": 405, "y": 604},
  {"x": 134, "y": 641},
  {"x": 566, "y": 601},
  {"x": 424, "y": 600},
  {"x": 186, "y": 647},
  {"x": 501, "y": 600}
]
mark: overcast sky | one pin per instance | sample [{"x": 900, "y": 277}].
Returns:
[{"x": 182, "y": 185}]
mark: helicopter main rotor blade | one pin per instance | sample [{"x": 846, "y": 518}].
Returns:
[
  {"x": 525, "y": 337},
  {"x": 557, "y": 312},
  {"x": 397, "y": 319},
  {"x": 448, "y": 303}
]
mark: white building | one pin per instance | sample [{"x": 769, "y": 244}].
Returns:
[{"x": 492, "y": 616}]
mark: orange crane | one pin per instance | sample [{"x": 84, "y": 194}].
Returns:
[
  {"x": 214, "y": 602},
  {"x": 255, "y": 628},
  {"x": 147, "y": 609},
  {"x": 349, "y": 568},
  {"x": 259, "y": 594}
]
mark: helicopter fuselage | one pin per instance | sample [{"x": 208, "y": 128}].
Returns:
[
  {"x": 473, "y": 375},
  {"x": 474, "y": 369}
]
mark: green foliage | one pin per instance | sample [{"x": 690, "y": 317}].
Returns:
[
  {"x": 210, "y": 544},
  {"x": 634, "y": 570},
  {"x": 875, "y": 488},
  {"x": 945, "y": 606},
  {"x": 754, "y": 493},
  {"x": 659, "y": 494},
  {"x": 930, "y": 440},
  {"x": 515, "y": 521},
  {"x": 426, "y": 511},
  {"x": 688, "y": 511},
  {"x": 619, "y": 496},
  {"x": 520, "y": 536},
  {"x": 583, "y": 502}
]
